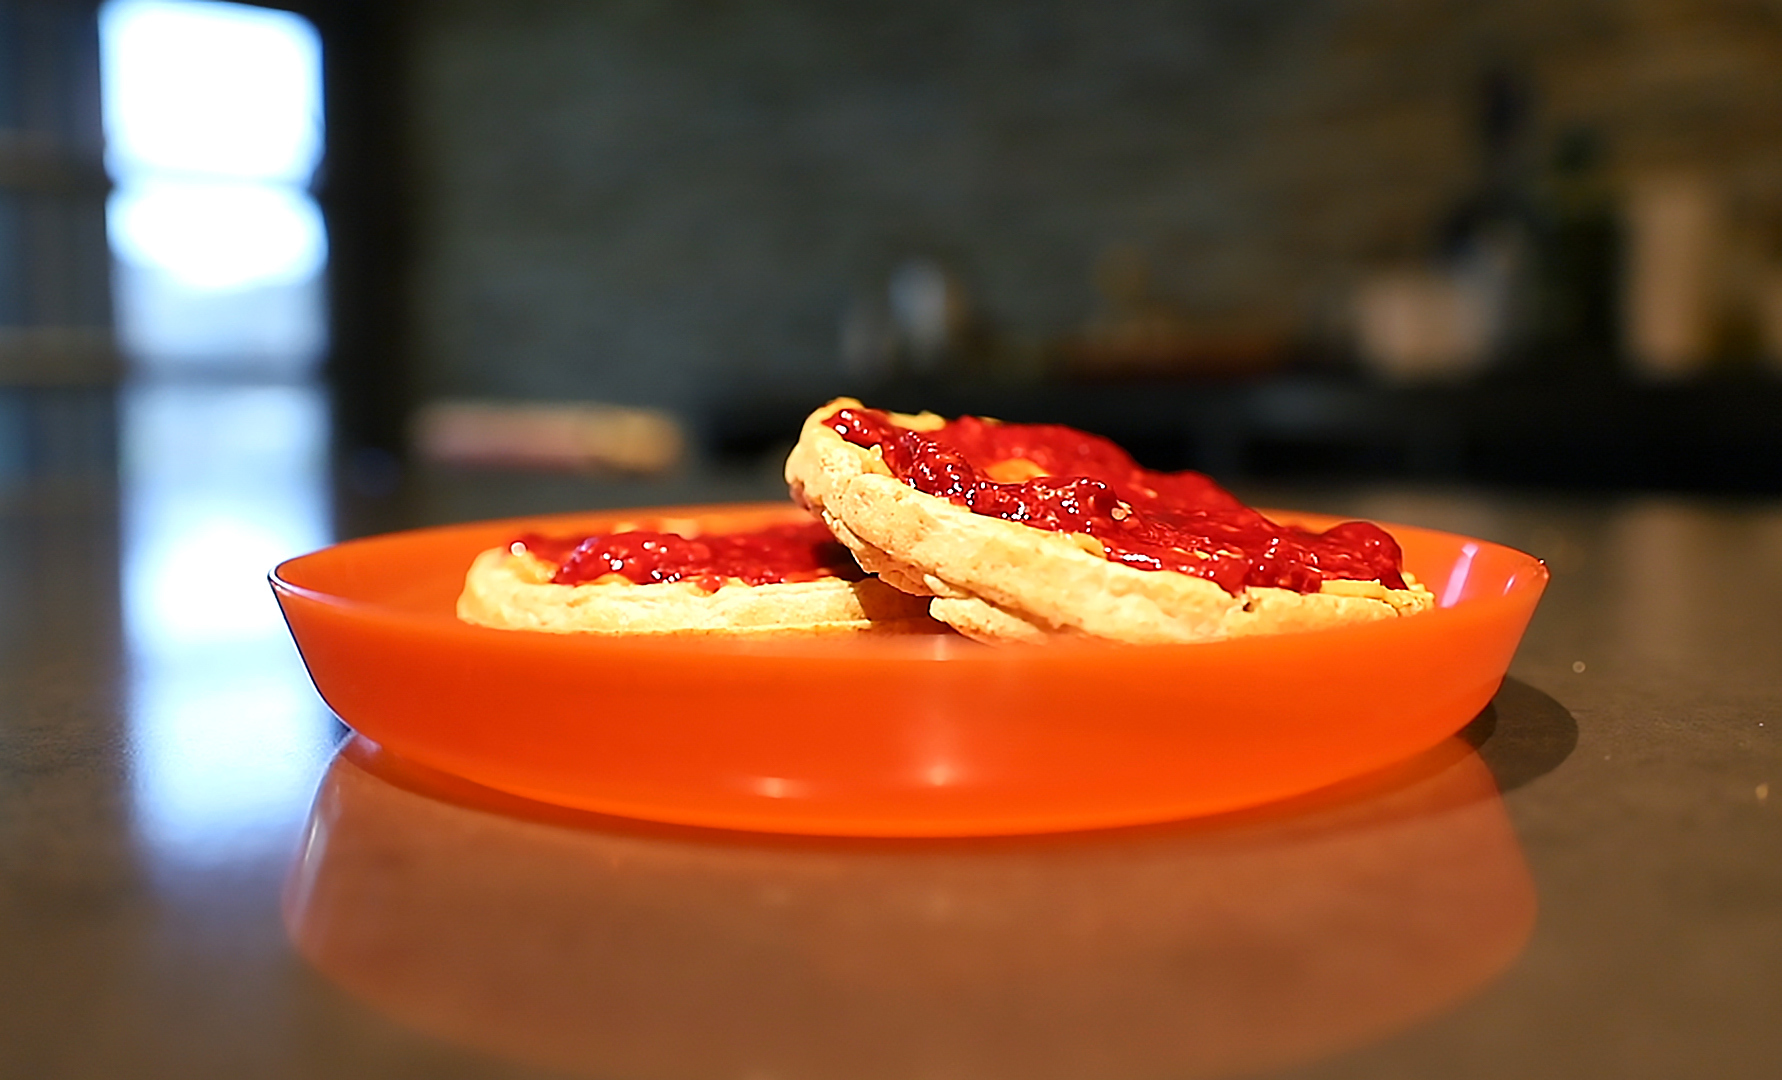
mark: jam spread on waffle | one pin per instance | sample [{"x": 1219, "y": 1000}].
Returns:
[
  {"x": 1054, "y": 477},
  {"x": 772, "y": 555}
]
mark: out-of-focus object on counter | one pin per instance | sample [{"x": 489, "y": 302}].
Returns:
[
  {"x": 929, "y": 310},
  {"x": 1141, "y": 350},
  {"x": 1768, "y": 297},
  {"x": 1136, "y": 333},
  {"x": 921, "y": 324},
  {"x": 1672, "y": 294},
  {"x": 1471, "y": 306},
  {"x": 1571, "y": 314},
  {"x": 1423, "y": 326},
  {"x": 561, "y": 436}
]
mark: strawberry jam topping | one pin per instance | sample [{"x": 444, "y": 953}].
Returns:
[
  {"x": 768, "y": 556},
  {"x": 1075, "y": 482}
]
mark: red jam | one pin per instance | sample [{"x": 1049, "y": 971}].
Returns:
[
  {"x": 770, "y": 556},
  {"x": 1082, "y": 483}
]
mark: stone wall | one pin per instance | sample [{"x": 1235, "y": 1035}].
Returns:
[{"x": 638, "y": 202}]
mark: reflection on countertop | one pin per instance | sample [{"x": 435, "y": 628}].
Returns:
[
  {"x": 620, "y": 949},
  {"x": 219, "y": 484}
]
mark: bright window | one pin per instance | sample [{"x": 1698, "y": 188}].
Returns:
[{"x": 213, "y": 122}]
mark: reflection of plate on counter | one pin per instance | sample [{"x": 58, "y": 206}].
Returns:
[
  {"x": 608, "y": 948},
  {"x": 925, "y": 735}
]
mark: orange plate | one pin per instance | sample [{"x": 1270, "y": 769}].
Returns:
[{"x": 926, "y": 735}]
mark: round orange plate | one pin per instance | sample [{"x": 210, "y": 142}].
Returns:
[{"x": 925, "y": 735}]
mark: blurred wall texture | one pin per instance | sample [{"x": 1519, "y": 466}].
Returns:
[{"x": 649, "y": 203}]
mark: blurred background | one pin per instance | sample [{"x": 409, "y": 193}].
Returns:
[{"x": 442, "y": 258}]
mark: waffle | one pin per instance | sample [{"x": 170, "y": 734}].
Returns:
[
  {"x": 510, "y": 588},
  {"x": 1000, "y": 581}
]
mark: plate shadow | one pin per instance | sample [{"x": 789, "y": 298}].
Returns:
[{"x": 1522, "y": 734}]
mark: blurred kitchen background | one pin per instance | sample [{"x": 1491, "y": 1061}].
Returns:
[{"x": 425, "y": 259}]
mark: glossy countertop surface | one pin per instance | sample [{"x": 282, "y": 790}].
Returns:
[{"x": 202, "y": 875}]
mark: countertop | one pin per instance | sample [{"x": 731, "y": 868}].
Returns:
[{"x": 195, "y": 882}]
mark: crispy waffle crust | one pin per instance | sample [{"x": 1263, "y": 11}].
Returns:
[
  {"x": 514, "y": 592},
  {"x": 1001, "y": 581}
]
